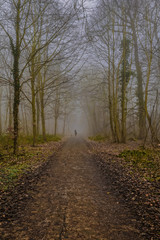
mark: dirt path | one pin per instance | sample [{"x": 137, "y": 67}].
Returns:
[{"x": 72, "y": 200}]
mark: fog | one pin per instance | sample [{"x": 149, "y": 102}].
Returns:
[{"x": 93, "y": 66}]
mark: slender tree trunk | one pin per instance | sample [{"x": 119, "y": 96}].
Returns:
[
  {"x": 38, "y": 113},
  {"x": 26, "y": 123},
  {"x": 43, "y": 115},
  {"x": 64, "y": 125},
  {"x": 42, "y": 105},
  {"x": 33, "y": 79},
  {"x": 23, "y": 120},
  {"x": 33, "y": 109},
  {"x": 16, "y": 77},
  {"x": 123, "y": 105},
  {"x": 57, "y": 108},
  {"x": 140, "y": 93},
  {"x": 124, "y": 86},
  {"x": 109, "y": 96},
  {"x": 115, "y": 91},
  {"x": 55, "y": 125},
  {"x": 10, "y": 121},
  {"x": 34, "y": 128}
]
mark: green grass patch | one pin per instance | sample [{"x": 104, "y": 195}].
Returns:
[
  {"x": 23, "y": 140},
  {"x": 10, "y": 174},
  {"x": 13, "y": 166},
  {"x": 6, "y": 142},
  {"x": 98, "y": 138},
  {"x": 145, "y": 161}
]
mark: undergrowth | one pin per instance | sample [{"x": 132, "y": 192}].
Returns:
[
  {"x": 39, "y": 139},
  {"x": 147, "y": 162},
  {"x": 13, "y": 166},
  {"x": 11, "y": 173},
  {"x": 98, "y": 138},
  {"x": 6, "y": 141}
]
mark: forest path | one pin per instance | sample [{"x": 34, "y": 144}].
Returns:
[{"x": 73, "y": 200}]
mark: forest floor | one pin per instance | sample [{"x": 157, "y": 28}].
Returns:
[{"x": 83, "y": 191}]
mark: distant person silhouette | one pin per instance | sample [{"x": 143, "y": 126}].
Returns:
[{"x": 75, "y": 132}]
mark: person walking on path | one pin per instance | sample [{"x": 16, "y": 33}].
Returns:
[{"x": 75, "y": 132}]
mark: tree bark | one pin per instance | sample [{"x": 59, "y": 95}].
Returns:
[
  {"x": 16, "y": 77},
  {"x": 43, "y": 114},
  {"x": 33, "y": 107},
  {"x": 140, "y": 93}
]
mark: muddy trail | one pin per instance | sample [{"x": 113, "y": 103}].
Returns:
[{"x": 72, "y": 199}]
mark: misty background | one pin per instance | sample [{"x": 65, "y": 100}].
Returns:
[{"x": 93, "y": 66}]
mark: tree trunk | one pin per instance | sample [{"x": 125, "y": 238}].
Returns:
[
  {"x": 26, "y": 123},
  {"x": 55, "y": 126},
  {"x": 109, "y": 97},
  {"x": 33, "y": 101},
  {"x": 43, "y": 115},
  {"x": 38, "y": 114},
  {"x": 124, "y": 85},
  {"x": 140, "y": 93},
  {"x": 16, "y": 78},
  {"x": 64, "y": 125},
  {"x": 123, "y": 105},
  {"x": 10, "y": 121},
  {"x": 33, "y": 109},
  {"x": 33, "y": 79}
]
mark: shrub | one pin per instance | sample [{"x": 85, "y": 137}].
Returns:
[{"x": 98, "y": 138}]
